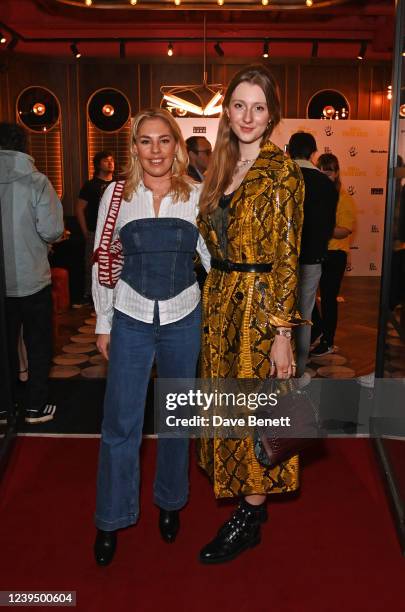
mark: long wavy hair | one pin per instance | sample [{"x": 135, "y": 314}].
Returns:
[
  {"x": 328, "y": 161},
  {"x": 226, "y": 152},
  {"x": 133, "y": 174}
]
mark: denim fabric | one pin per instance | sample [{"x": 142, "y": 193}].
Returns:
[
  {"x": 158, "y": 256},
  {"x": 134, "y": 345},
  {"x": 309, "y": 276}
]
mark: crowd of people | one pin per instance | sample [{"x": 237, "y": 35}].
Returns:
[{"x": 269, "y": 230}]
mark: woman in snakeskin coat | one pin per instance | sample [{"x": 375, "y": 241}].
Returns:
[{"x": 251, "y": 213}]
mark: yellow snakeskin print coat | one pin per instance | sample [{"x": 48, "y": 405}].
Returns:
[{"x": 240, "y": 309}]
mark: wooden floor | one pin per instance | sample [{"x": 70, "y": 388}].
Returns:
[{"x": 356, "y": 334}]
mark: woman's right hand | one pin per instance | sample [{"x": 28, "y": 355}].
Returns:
[{"x": 103, "y": 344}]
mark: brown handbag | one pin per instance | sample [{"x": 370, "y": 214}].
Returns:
[{"x": 271, "y": 444}]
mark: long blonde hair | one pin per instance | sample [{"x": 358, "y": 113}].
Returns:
[
  {"x": 133, "y": 173},
  {"x": 226, "y": 151}
]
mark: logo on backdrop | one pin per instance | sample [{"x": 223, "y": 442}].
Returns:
[
  {"x": 351, "y": 190},
  {"x": 374, "y": 229},
  {"x": 327, "y": 150},
  {"x": 199, "y": 129},
  {"x": 353, "y": 171},
  {"x": 377, "y": 191},
  {"x": 328, "y": 130},
  {"x": 372, "y": 267},
  {"x": 355, "y": 132},
  {"x": 353, "y": 151},
  {"x": 378, "y": 151},
  {"x": 349, "y": 268}
]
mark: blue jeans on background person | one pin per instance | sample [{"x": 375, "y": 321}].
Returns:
[
  {"x": 308, "y": 281},
  {"x": 134, "y": 346}
]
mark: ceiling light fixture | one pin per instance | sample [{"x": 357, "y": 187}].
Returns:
[
  {"x": 207, "y": 96},
  {"x": 389, "y": 92},
  {"x": 309, "y": 2},
  {"x": 265, "y": 2},
  {"x": 3, "y": 39},
  {"x": 220, "y": 2},
  {"x": 170, "y": 49},
  {"x": 75, "y": 50},
  {"x": 363, "y": 49},
  {"x": 265, "y": 49},
  {"x": 133, "y": 2},
  {"x": 177, "y": 2},
  {"x": 88, "y": 2},
  {"x": 218, "y": 49}
]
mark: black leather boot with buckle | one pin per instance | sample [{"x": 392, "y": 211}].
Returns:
[{"x": 241, "y": 532}]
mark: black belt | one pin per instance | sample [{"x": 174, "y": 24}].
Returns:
[{"x": 229, "y": 266}]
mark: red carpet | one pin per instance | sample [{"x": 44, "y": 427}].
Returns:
[{"x": 331, "y": 549}]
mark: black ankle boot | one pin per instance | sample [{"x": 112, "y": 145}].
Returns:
[
  {"x": 241, "y": 532},
  {"x": 169, "y": 524},
  {"x": 104, "y": 546}
]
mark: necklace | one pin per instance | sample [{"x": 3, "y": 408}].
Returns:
[{"x": 244, "y": 162}]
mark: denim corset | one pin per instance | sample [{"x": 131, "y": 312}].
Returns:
[{"x": 158, "y": 256}]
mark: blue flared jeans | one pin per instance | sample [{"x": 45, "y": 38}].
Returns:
[{"x": 134, "y": 346}]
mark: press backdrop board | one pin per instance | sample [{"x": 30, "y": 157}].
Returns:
[{"x": 362, "y": 150}]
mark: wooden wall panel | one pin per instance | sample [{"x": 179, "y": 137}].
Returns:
[
  {"x": 364, "y": 84},
  {"x": 343, "y": 78}
]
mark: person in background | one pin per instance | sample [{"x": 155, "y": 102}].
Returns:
[
  {"x": 199, "y": 152},
  {"x": 31, "y": 218},
  {"x": 87, "y": 210},
  {"x": 319, "y": 220},
  {"x": 251, "y": 211},
  {"x": 334, "y": 266},
  {"x": 154, "y": 313}
]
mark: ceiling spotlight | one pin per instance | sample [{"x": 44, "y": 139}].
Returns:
[
  {"x": 177, "y": 2},
  {"x": 309, "y": 2},
  {"x": 39, "y": 109},
  {"x": 265, "y": 2},
  {"x": 75, "y": 50},
  {"x": 314, "y": 52},
  {"x": 265, "y": 49},
  {"x": 363, "y": 49},
  {"x": 3, "y": 39},
  {"x": 218, "y": 49},
  {"x": 108, "y": 110},
  {"x": 122, "y": 49},
  {"x": 220, "y": 2},
  {"x": 88, "y": 2},
  {"x": 170, "y": 49},
  {"x": 389, "y": 92},
  {"x": 133, "y": 2}
]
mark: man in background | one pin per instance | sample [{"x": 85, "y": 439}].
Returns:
[
  {"x": 199, "y": 152},
  {"x": 320, "y": 203},
  {"x": 87, "y": 210},
  {"x": 32, "y": 218}
]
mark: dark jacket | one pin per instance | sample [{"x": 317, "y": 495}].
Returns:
[
  {"x": 320, "y": 203},
  {"x": 191, "y": 171}
]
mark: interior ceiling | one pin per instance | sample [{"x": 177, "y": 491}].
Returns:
[{"x": 47, "y": 27}]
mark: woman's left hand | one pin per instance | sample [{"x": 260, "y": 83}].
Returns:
[{"x": 282, "y": 358}]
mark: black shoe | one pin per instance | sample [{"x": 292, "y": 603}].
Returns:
[
  {"x": 169, "y": 524},
  {"x": 42, "y": 415},
  {"x": 241, "y": 532},
  {"x": 322, "y": 349},
  {"x": 104, "y": 546}
]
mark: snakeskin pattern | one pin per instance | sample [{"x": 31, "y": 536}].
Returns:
[{"x": 241, "y": 309}]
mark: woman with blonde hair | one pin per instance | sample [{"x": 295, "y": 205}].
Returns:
[
  {"x": 251, "y": 212},
  {"x": 153, "y": 313}
]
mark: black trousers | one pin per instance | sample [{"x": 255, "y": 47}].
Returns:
[
  {"x": 34, "y": 313},
  {"x": 333, "y": 269}
]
